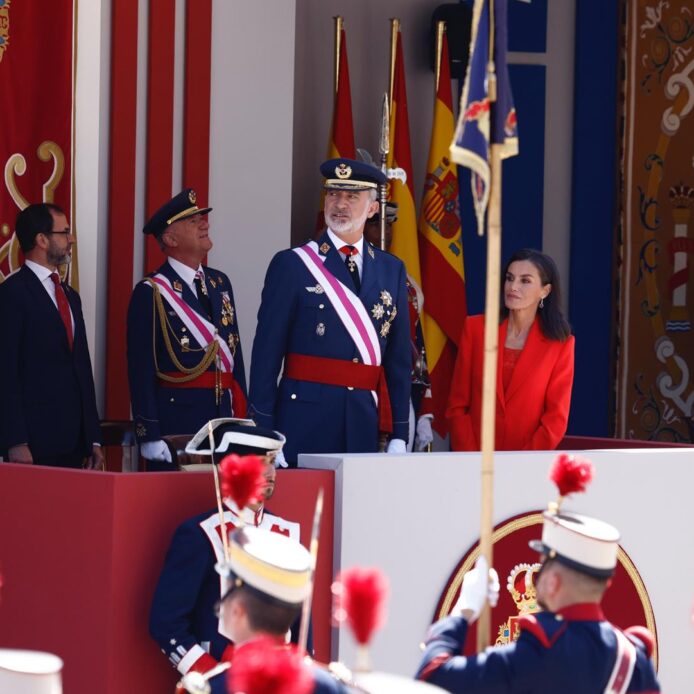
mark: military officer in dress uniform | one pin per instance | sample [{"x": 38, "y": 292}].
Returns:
[
  {"x": 185, "y": 364},
  {"x": 334, "y": 312},
  {"x": 182, "y": 619},
  {"x": 568, "y": 648}
]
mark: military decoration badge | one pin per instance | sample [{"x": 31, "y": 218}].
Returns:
[
  {"x": 386, "y": 311},
  {"x": 213, "y": 283},
  {"x": 178, "y": 287},
  {"x": 343, "y": 171},
  {"x": 227, "y": 310},
  {"x": 185, "y": 341},
  {"x": 232, "y": 341}
]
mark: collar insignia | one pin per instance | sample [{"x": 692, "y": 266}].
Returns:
[
  {"x": 371, "y": 252},
  {"x": 178, "y": 287},
  {"x": 324, "y": 247}
]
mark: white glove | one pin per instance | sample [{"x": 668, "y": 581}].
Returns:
[
  {"x": 396, "y": 446},
  {"x": 280, "y": 460},
  {"x": 424, "y": 435},
  {"x": 476, "y": 590},
  {"x": 155, "y": 450}
]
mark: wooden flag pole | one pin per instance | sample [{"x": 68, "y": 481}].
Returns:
[
  {"x": 491, "y": 342},
  {"x": 491, "y": 350}
]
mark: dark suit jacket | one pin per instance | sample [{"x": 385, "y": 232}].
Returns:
[
  {"x": 533, "y": 413},
  {"x": 47, "y": 396}
]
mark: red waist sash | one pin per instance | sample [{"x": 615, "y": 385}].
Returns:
[{"x": 340, "y": 372}]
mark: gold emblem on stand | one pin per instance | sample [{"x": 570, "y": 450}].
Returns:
[{"x": 521, "y": 585}]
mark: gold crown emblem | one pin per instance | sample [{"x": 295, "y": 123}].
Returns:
[
  {"x": 343, "y": 171},
  {"x": 681, "y": 196},
  {"x": 192, "y": 197},
  {"x": 521, "y": 585}
]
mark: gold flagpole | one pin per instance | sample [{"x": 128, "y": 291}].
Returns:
[
  {"x": 338, "y": 41},
  {"x": 394, "y": 29},
  {"x": 491, "y": 345},
  {"x": 384, "y": 148},
  {"x": 440, "y": 28}
]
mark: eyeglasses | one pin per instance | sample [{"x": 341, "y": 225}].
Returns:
[{"x": 66, "y": 232}]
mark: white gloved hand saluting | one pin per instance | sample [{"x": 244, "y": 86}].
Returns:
[
  {"x": 424, "y": 435},
  {"x": 481, "y": 584}
]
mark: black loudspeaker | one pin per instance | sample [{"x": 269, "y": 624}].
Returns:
[{"x": 458, "y": 18}]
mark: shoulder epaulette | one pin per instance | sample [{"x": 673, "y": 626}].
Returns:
[{"x": 641, "y": 637}]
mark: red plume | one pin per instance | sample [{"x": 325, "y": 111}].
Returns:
[
  {"x": 360, "y": 595},
  {"x": 571, "y": 473},
  {"x": 263, "y": 666},
  {"x": 243, "y": 479}
]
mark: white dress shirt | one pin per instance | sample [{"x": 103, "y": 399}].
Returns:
[{"x": 44, "y": 274}]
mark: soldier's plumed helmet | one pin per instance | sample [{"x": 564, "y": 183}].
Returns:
[
  {"x": 349, "y": 174},
  {"x": 239, "y": 436},
  {"x": 181, "y": 206},
  {"x": 584, "y": 544},
  {"x": 275, "y": 568}
]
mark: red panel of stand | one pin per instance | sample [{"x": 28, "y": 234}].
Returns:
[{"x": 80, "y": 554}]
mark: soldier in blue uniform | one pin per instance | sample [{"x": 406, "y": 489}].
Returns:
[
  {"x": 267, "y": 578},
  {"x": 570, "y": 647},
  {"x": 334, "y": 311},
  {"x": 185, "y": 364},
  {"x": 182, "y": 619}
]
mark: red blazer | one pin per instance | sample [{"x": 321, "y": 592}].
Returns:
[{"x": 534, "y": 412}]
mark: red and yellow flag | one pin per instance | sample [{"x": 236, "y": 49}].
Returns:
[
  {"x": 341, "y": 142},
  {"x": 404, "y": 243},
  {"x": 441, "y": 247}
]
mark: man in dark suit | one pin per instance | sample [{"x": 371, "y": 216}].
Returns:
[
  {"x": 48, "y": 412},
  {"x": 185, "y": 364},
  {"x": 335, "y": 312}
]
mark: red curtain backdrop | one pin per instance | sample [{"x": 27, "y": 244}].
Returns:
[{"x": 36, "y": 106}]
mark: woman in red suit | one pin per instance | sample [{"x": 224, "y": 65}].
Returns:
[{"x": 535, "y": 368}]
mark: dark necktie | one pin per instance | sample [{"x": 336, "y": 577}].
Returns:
[
  {"x": 63, "y": 306},
  {"x": 203, "y": 296},
  {"x": 350, "y": 252}
]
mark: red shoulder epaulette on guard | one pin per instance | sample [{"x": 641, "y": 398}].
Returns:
[
  {"x": 532, "y": 625},
  {"x": 643, "y": 637}
]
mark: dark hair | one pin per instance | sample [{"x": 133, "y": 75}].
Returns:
[
  {"x": 34, "y": 220},
  {"x": 266, "y": 616},
  {"x": 552, "y": 322}
]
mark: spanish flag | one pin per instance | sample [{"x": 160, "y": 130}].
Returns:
[
  {"x": 341, "y": 142},
  {"x": 404, "y": 243},
  {"x": 440, "y": 245}
]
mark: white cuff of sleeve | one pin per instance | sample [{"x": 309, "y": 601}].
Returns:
[
  {"x": 155, "y": 450},
  {"x": 396, "y": 446}
]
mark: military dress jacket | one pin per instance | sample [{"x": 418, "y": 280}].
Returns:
[
  {"x": 295, "y": 317},
  {"x": 159, "y": 409},
  {"x": 572, "y": 652},
  {"x": 182, "y": 616}
]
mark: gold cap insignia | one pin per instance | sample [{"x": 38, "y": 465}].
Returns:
[
  {"x": 192, "y": 197},
  {"x": 343, "y": 171}
]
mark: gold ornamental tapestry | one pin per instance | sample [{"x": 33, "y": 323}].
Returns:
[{"x": 655, "y": 370}]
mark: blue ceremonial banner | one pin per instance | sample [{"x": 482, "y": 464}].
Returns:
[{"x": 482, "y": 122}]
